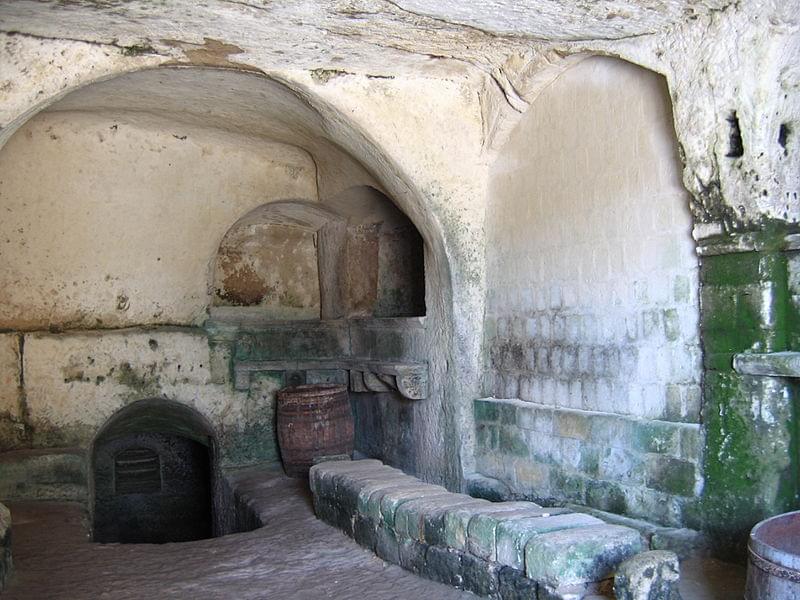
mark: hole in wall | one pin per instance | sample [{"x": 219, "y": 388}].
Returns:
[
  {"x": 735, "y": 144},
  {"x": 783, "y": 137}
]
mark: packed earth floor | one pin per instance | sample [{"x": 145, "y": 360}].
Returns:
[{"x": 294, "y": 556}]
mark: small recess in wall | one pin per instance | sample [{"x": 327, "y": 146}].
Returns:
[
  {"x": 736, "y": 146},
  {"x": 783, "y": 137}
]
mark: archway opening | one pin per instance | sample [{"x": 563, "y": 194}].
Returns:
[
  {"x": 592, "y": 317},
  {"x": 153, "y": 473},
  {"x": 138, "y": 178}
]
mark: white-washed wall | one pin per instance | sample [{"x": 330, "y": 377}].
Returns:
[{"x": 592, "y": 275}]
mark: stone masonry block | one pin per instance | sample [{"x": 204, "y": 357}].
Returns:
[
  {"x": 686, "y": 543},
  {"x": 617, "y": 464},
  {"x": 600, "y": 590},
  {"x": 9, "y": 374},
  {"x": 611, "y": 430},
  {"x": 364, "y": 532},
  {"x": 571, "y": 425},
  {"x": 489, "y": 488},
  {"x": 480, "y": 576},
  {"x": 532, "y": 475},
  {"x": 658, "y": 437},
  {"x": 393, "y": 499},
  {"x": 576, "y": 556},
  {"x": 412, "y": 555},
  {"x": 372, "y": 507},
  {"x": 384, "y": 484},
  {"x": 456, "y": 520},
  {"x": 443, "y": 565},
  {"x": 671, "y": 475},
  {"x": 513, "y": 585},
  {"x": 434, "y": 520},
  {"x": 512, "y": 536},
  {"x": 43, "y": 474},
  {"x": 319, "y": 475},
  {"x": 409, "y": 519},
  {"x": 486, "y": 410},
  {"x": 347, "y": 487},
  {"x": 386, "y": 546},
  {"x": 329, "y": 512},
  {"x": 512, "y": 442},
  {"x": 481, "y": 530},
  {"x": 348, "y": 483},
  {"x": 648, "y": 576},
  {"x": 691, "y": 442},
  {"x": 608, "y": 495}
]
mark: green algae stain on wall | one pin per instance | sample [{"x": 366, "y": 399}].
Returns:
[{"x": 751, "y": 461}]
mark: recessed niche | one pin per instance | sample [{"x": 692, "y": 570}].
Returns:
[
  {"x": 153, "y": 472},
  {"x": 353, "y": 255}
]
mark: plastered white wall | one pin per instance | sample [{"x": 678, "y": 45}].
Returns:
[
  {"x": 114, "y": 220},
  {"x": 592, "y": 276}
]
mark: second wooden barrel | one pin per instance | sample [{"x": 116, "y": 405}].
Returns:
[
  {"x": 313, "y": 421},
  {"x": 773, "y": 567}
]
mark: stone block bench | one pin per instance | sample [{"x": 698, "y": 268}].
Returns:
[{"x": 505, "y": 550}]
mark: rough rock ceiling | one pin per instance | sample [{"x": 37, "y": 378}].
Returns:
[
  {"x": 565, "y": 20},
  {"x": 372, "y": 36}
]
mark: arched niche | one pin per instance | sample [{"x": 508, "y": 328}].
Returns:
[
  {"x": 385, "y": 256},
  {"x": 149, "y": 264},
  {"x": 153, "y": 475},
  {"x": 352, "y": 255},
  {"x": 284, "y": 258},
  {"x": 592, "y": 308}
]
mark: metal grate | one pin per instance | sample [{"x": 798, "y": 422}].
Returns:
[{"x": 137, "y": 471}]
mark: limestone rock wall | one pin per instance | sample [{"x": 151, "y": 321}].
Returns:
[
  {"x": 75, "y": 381},
  {"x": 269, "y": 265},
  {"x": 114, "y": 220}
]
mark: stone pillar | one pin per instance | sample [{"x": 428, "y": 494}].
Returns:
[{"x": 749, "y": 304}]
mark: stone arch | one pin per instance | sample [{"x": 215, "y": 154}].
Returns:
[
  {"x": 154, "y": 475},
  {"x": 318, "y": 127},
  {"x": 593, "y": 302}
]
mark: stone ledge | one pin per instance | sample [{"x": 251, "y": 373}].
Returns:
[
  {"x": 410, "y": 379},
  {"x": 44, "y": 474},
  {"x": 686, "y": 543},
  {"x": 773, "y": 364},
  {"x": 503, "y": 550}
]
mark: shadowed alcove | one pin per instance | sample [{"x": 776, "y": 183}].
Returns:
[{"x": 153, "y": 466}]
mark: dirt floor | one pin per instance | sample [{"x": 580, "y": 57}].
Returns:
[{"x": 294, "y": 556}]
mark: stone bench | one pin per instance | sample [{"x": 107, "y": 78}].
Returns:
[
  {"x": 44, "y": 474},
  {"x": 506, "y": 550}
]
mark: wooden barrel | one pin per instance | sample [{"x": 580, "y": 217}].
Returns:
[
  {"x": 313, "y": 421},
  {"x": 773, "y": 567}
]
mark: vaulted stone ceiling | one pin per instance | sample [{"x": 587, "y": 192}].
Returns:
[{"x": 725, "y": 62}]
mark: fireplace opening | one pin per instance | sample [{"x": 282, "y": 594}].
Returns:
[{"x": 153, "y": 472}]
